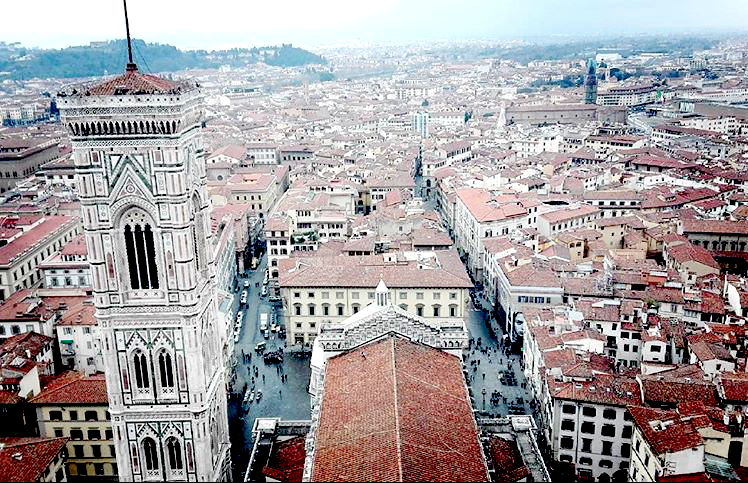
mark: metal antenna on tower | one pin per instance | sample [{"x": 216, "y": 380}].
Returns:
[{"x": 130, "y": 65}]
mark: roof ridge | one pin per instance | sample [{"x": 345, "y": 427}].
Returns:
[{"x": 398, "y": 440}]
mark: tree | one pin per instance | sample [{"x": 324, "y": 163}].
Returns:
[{"x": 425, "y": 103}]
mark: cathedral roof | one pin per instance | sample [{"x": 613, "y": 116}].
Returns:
[
  {"x": 395, "y": 410},
  {"x": 133, "y": 82}
]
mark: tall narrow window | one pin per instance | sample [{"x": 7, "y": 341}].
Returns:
[
  {"x": 149, "y": 454},
  {"x": 140, "y": 365},
  {"x": 174, "y": 451},
  {"x": 141, "y": 256},
  {"x": 197, "y": 250},
  {"x": 131, "y": 258},
  {"x": 165, "y": 367},
  {"x": 151, "y": 252}
]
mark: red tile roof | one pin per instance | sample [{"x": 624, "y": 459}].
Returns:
[
  {"x": 507, "y": 460},
  {"x": 286, "y": 463},
  {"x": 715, "y": 226},
  {"x": 132, "y": 82},
  {"x": 25, "y": 459},
  {"x": 76, "y": 246},
  {"x": 32, "y": 238},
  {"x": 733, "y": 386},
  {"x": 672, "y": 436},
  {"x": 74, "y": 388},
  {"x": 612, "y": 390},
  {"x": 682, "y": 384},
  {"x": 394, "y": 410},
  {"x": 445, "y": 270},
  {"x": 688, "y": 252}
]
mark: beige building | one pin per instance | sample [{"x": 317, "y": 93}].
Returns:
[
  {"x": 432, "y": 285},
  {"x": 28, "y": 242},
  {"x": 76, "y": 407},
  {"x": 21, "y": 157}
]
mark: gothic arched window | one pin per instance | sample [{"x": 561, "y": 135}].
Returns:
[
  {"x": 141, "y": 253},
  {"x": 174, "y": 453},
  {"x": 140, "y": 366},
  {"x": 166, "y": 369},
  {"x": 149, "y": 454}
]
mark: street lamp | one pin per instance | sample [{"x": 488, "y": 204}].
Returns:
[{"x": 484, "y": 398}]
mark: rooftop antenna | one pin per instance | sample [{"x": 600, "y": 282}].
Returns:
[{"x": 130, "y": 65}]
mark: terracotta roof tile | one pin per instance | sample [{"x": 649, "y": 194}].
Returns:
[
  {"x": 664, "y": 431},
  {"x": 507, "y": 460},
  {"x": 74, "y": 388},
  {"x": 133, "y": 82},
  {"x": 445, "y": 270},
  {"x": 25, "y": 459},
  {"x": 394, "y": 410},
  {"x": 286, "y": 463}
]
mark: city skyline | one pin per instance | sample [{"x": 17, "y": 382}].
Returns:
[{"x": 390, "y": 21}]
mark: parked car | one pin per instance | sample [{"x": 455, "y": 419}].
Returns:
[
  {"x": 246, "y": 284},
  {"x": 264, "y": 291},
  {"x": 260, "y": 347},
  {"x": 236, "y": 338}
]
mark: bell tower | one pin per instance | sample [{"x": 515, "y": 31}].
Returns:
[{"x": 141, "y": 179}]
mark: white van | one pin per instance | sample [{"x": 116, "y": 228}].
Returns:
[{"x": 263, "y": 321}]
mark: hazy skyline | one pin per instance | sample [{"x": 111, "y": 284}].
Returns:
[{"x": 188, "y": 24}]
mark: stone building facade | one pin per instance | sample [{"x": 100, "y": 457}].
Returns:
[{"x": 140, "y": 170}]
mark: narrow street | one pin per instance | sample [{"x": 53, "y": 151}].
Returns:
[
  {"x": 487, "y": 367},
  {"x": 287, "y": 400}
]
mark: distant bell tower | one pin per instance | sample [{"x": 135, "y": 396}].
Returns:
[
  {"x": 141, "y": 178},
  {"x": 590, "y": 84}
]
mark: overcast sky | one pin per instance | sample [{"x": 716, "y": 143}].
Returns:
[{"x": 213, "y": 24}]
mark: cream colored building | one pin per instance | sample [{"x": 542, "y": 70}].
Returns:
[
  {"x": 25, "y": 249},
  {"x": 76, "y": 407},
  {"x": 431, "y": 285}
]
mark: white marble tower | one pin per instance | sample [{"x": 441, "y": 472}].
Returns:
[{"x": 141, "y": 179}]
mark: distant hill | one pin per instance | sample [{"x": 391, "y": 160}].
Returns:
[{"x": 100, "y": 58}]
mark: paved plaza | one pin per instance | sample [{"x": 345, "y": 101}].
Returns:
[{"x": 288, "y": 400}]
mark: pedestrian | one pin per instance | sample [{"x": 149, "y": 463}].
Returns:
[
  {"x": 263, "y": 378},
  {"x": 280, "y": 392},
  {"x": 484, "y": 376}
]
